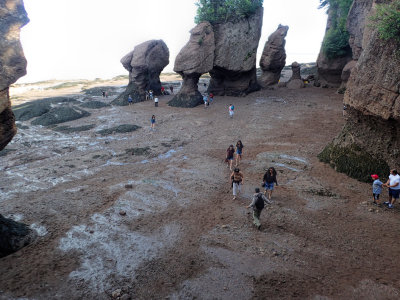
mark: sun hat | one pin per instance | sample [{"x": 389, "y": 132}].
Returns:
[{"x": 374, "y": 176}]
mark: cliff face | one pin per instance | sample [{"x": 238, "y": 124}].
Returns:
[
  {"x": 234, "y": 71},
  {"x": 330, "y": 69},
  {"x": 373, "y": 99},
  {"x": 12, "y": 62}
]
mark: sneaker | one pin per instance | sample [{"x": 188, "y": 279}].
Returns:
[
  {"x": 374, "y": 203},
  {"x": 390, "y": 205},
  {"x": 386, "y": 203}
]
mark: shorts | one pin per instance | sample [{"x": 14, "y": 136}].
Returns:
[
  {"x": 269, "y": 186},
  {"x": 394, "y": 193},
  {"x": 376, "y": 196},
  {"x": 229, "y": 158},
  {"x": 239, "y": 152},
  {"x": 231, "y": 113}
]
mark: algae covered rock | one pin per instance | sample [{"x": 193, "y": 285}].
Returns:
[{"x": 60, "y": 115}]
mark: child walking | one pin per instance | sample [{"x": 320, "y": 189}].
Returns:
[
  {"x": 231, "y": 110},
  {"x": 239, "y": 150},
  {"x": 153, "y": 122},
  {"x": 376, "y": 189}
]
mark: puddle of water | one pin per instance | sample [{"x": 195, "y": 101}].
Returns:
[
  {"x": 40, "y": 230},
  {"x": 167, "y": 154},
  {"x": 294, "y": 158},
  {"x": 108, "y": 248},
  {"x": 287, "y": 167},
  {"x": 15, "y": 217}
]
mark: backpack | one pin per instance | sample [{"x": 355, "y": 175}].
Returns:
[{"x": 259, "y": 202}]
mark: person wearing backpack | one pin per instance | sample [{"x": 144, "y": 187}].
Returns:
[{"x": 258, "y": 205}]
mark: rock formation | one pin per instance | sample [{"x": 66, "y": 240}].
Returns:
[
  {"x": 370, "y": 140},
  {"x": 295, "y": 81},
  {"x": 13, "y": 235},
  {"x": 273, "y": 58},
  {"x": 12, "y": 62},
  {"x": 330, "y": 69},
  {"x": 144, "y": 64},
  {"x": 234, "y": 71},
  {"x": 195, "y": 59},
  {"x": 355, "y": 26}
]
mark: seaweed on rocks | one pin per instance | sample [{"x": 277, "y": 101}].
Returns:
[{"x": 124, "y": 128}]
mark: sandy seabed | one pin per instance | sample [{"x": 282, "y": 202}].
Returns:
[{"x": 161, "y": 224}]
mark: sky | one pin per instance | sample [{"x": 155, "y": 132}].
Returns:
[{"x": 85, "y": 39}]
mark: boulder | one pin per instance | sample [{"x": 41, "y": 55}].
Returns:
[
  {"x": 14, "y": 236},
  {"x": 295, "y": 81},
  {"x": 195, "y": 59},
  {"x": 144, "y": 65},
  {"x": 12, "y": 62},
  {"x": 347, "y": 71},
  {"x": 236, "y": 43},
  {"x": 273, "y": 58}
]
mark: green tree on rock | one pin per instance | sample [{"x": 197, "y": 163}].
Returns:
[
  {"x": 220, "y": 11},
  {"x": 336, "y": 40}
]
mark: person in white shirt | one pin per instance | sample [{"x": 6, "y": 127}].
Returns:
[{"x": 393, "y": 183}]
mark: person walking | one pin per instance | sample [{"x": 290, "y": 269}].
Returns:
[
  {"x": 231, "y": 110},
  {"x": 153, "y": 122},
  {"x": 229, "y": 156},
  {"x": 239, "y": 150},
  {"x": 258, "y": 205},
  {"x": 236, "y": 182},
  {"x": 171, "y": 88},
  {"x": 162, "y": 90},
  {"x": 151, "y": 94},
  {"x": 156, "y": 102},
  {"x": 130, "y": 101},
  {"x": 269, "y": 179},
  {"x": 393, "y": 183}
]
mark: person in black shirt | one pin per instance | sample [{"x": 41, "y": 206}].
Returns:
[{"x": 269, "y": 180}]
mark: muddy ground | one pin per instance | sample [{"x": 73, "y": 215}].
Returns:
[{"x": 150, "y": 215}]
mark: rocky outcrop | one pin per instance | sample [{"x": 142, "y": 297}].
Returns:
[
  {"x": 144, "y": 64},
  {"x": 295, "y": 81},
  {"x": 12, "y": 62},
  {"x": 273, "y": 58},
  {"x": 356, "y": 25},
  {"x": 234, "y": 71},
  {"x": 330, "y": 69},
  {"x": 373, "y": 114},
  {"x": 195, "y": 59},
  {"x": 14, "y": 236}
]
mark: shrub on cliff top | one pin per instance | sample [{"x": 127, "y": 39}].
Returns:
[
  {"x": 387, "y": 21},
  {"x": 220, "y": 11},
  {"x": 336, "y": 40}
]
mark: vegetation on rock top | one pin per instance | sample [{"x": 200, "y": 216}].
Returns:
[
  {"x": 220, "y": 11},
  {"x": 336, "y": 40},
  {"x": 387, "y": 21}
]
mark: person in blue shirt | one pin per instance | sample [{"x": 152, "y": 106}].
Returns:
[{"x": 376, "y": 189}]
